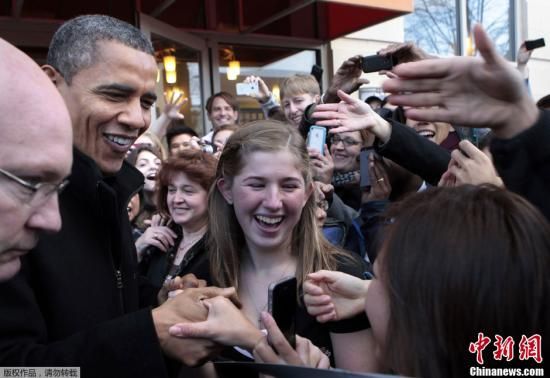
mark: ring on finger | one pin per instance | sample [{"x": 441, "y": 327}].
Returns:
[{"x": 381, "y": 179}]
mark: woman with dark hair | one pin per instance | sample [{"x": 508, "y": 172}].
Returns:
[
  {"x": 438, "y": 284},
  {"x": 147, "y": 160},
  {"x": 182, "y": 190}
]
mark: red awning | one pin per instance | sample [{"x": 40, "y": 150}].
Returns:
[{"x": 321, "y": 20}]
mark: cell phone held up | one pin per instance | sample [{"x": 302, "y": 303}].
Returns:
[
  {"x": 282, "y": 304},
  {"x": 375, "y": 63},
  {"x": 365, "y": 182},
  {"x": 534, "y": 44},
  {"x": 247, "y": 89},
  {"x": 316, "y": 138}
]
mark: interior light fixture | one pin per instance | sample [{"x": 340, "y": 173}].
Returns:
[
  {"x": 171, "y": 77},
  {"x": 169, "y": 63}
]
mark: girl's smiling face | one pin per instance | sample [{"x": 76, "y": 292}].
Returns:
[{"x": 268, "y": 196}]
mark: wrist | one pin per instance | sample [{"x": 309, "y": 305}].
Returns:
[
  {"x": 520, "y": 118},
  {"x": 382, "y": 130}
]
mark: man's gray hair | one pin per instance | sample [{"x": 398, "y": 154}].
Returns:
[{"x": 73, "y": 46}]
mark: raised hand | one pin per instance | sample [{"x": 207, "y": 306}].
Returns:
[
  {"x": 173, "y": 105},
  {"x": 474, "y": 92},
  {"x": 347, "y": 79},
  {"x": 264, "y": 93},
  {"x": 351, "y": 114},
  {"x": 332, "y": 296},
  {"x": 158, "y": 235}
]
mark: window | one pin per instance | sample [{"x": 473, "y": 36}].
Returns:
[{"x": 436, "y": 25}]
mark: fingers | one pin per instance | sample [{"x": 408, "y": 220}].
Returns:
[
  {"x": 264, "y": 353},
  {"x": 310, "y": 354},
  {"x": 411, "y": 85},
  {"x": 278, "y": 341},
  {"x": 324, "y": 275},
  {"x": 472, "y": 151},
  {"x": 485, "y": 46},
  {"x": 311, "y": 288},
  {"x": 198, "y": 330},
  {"x": 429, "y": 68},
  {"x": 346, "y": 97},
  {"x": 228, "y": 292}
]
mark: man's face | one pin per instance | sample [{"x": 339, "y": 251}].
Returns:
[
  {"x": 294, "y": 107},
  {"x": 222, "y": 113},
  {"x": 36, "y": 146},
  {"x": 180, "y": 143},
  {"x": 110, "y": 103}
]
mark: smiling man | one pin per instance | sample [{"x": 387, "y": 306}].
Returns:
[
  {"x": 78, "y": 301},
  {"x": 35, "y": 157}
]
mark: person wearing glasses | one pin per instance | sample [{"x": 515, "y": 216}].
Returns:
[
  {"x": 33, "y": 115},
  {"x": 345, "y": 149}
]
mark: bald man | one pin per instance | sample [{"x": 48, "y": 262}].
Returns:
[{"x": 35, "y": 156}]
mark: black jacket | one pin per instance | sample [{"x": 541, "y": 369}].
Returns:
[
  {"x": 523, "y": 163},
  {"x": 76, "y": 301}
]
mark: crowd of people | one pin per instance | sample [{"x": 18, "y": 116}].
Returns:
[{"x": 132, "y": 247}]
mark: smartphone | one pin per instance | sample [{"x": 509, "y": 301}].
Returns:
[
  {"x": 247, "y": 89},
  {"x": 364, "y": 182},
  {"x": 534, "y": 44},
  {"x": 375, "y": 63},
  {"x": 316, "y": 138},
  {"x": 282, "y": 304}
]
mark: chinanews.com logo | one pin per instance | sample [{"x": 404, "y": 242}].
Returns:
[{"x": 528, "y": 349}]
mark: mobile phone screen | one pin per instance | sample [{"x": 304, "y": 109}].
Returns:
[
  {"x": 282, "y": 305},
  {"x": 316, "y": 138},
  {"x": 364, "y": 167}
]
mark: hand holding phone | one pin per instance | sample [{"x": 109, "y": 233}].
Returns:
[
  {"x": 375, "y": 63},
  {"x": 316, "y": 138},
  {"x": 247, "y": 89},
  {"x": 282, "y": 305}
]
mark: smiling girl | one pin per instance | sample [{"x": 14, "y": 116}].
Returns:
[{"x": 262, "y": 228}]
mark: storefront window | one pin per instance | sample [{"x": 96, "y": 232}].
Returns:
[
  {"x": 272, "y": 64},
  {"x": 435, "y": 25},
  {"x": 496, "y": 18}
]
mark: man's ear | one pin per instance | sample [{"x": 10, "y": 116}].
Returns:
[
  {"x": 53, "y": 74},
  {"x": 225, "y": 189}
]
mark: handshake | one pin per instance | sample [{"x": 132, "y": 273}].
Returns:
[{"x": 195, "y": 322}]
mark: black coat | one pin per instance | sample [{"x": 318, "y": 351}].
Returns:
[{"x": 76, "y": 301}]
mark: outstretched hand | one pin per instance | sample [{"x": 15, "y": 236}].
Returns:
[
  {"x": 474, "y": 92},
  {"x": 333, "y": 296},
  {"x": 173, "y": 104},
  {"x": 351, "y": 114}
]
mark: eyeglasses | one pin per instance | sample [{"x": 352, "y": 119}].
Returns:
[
  {"x": 348, "y": 142},
  {"x": 36, "y": 193}
]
